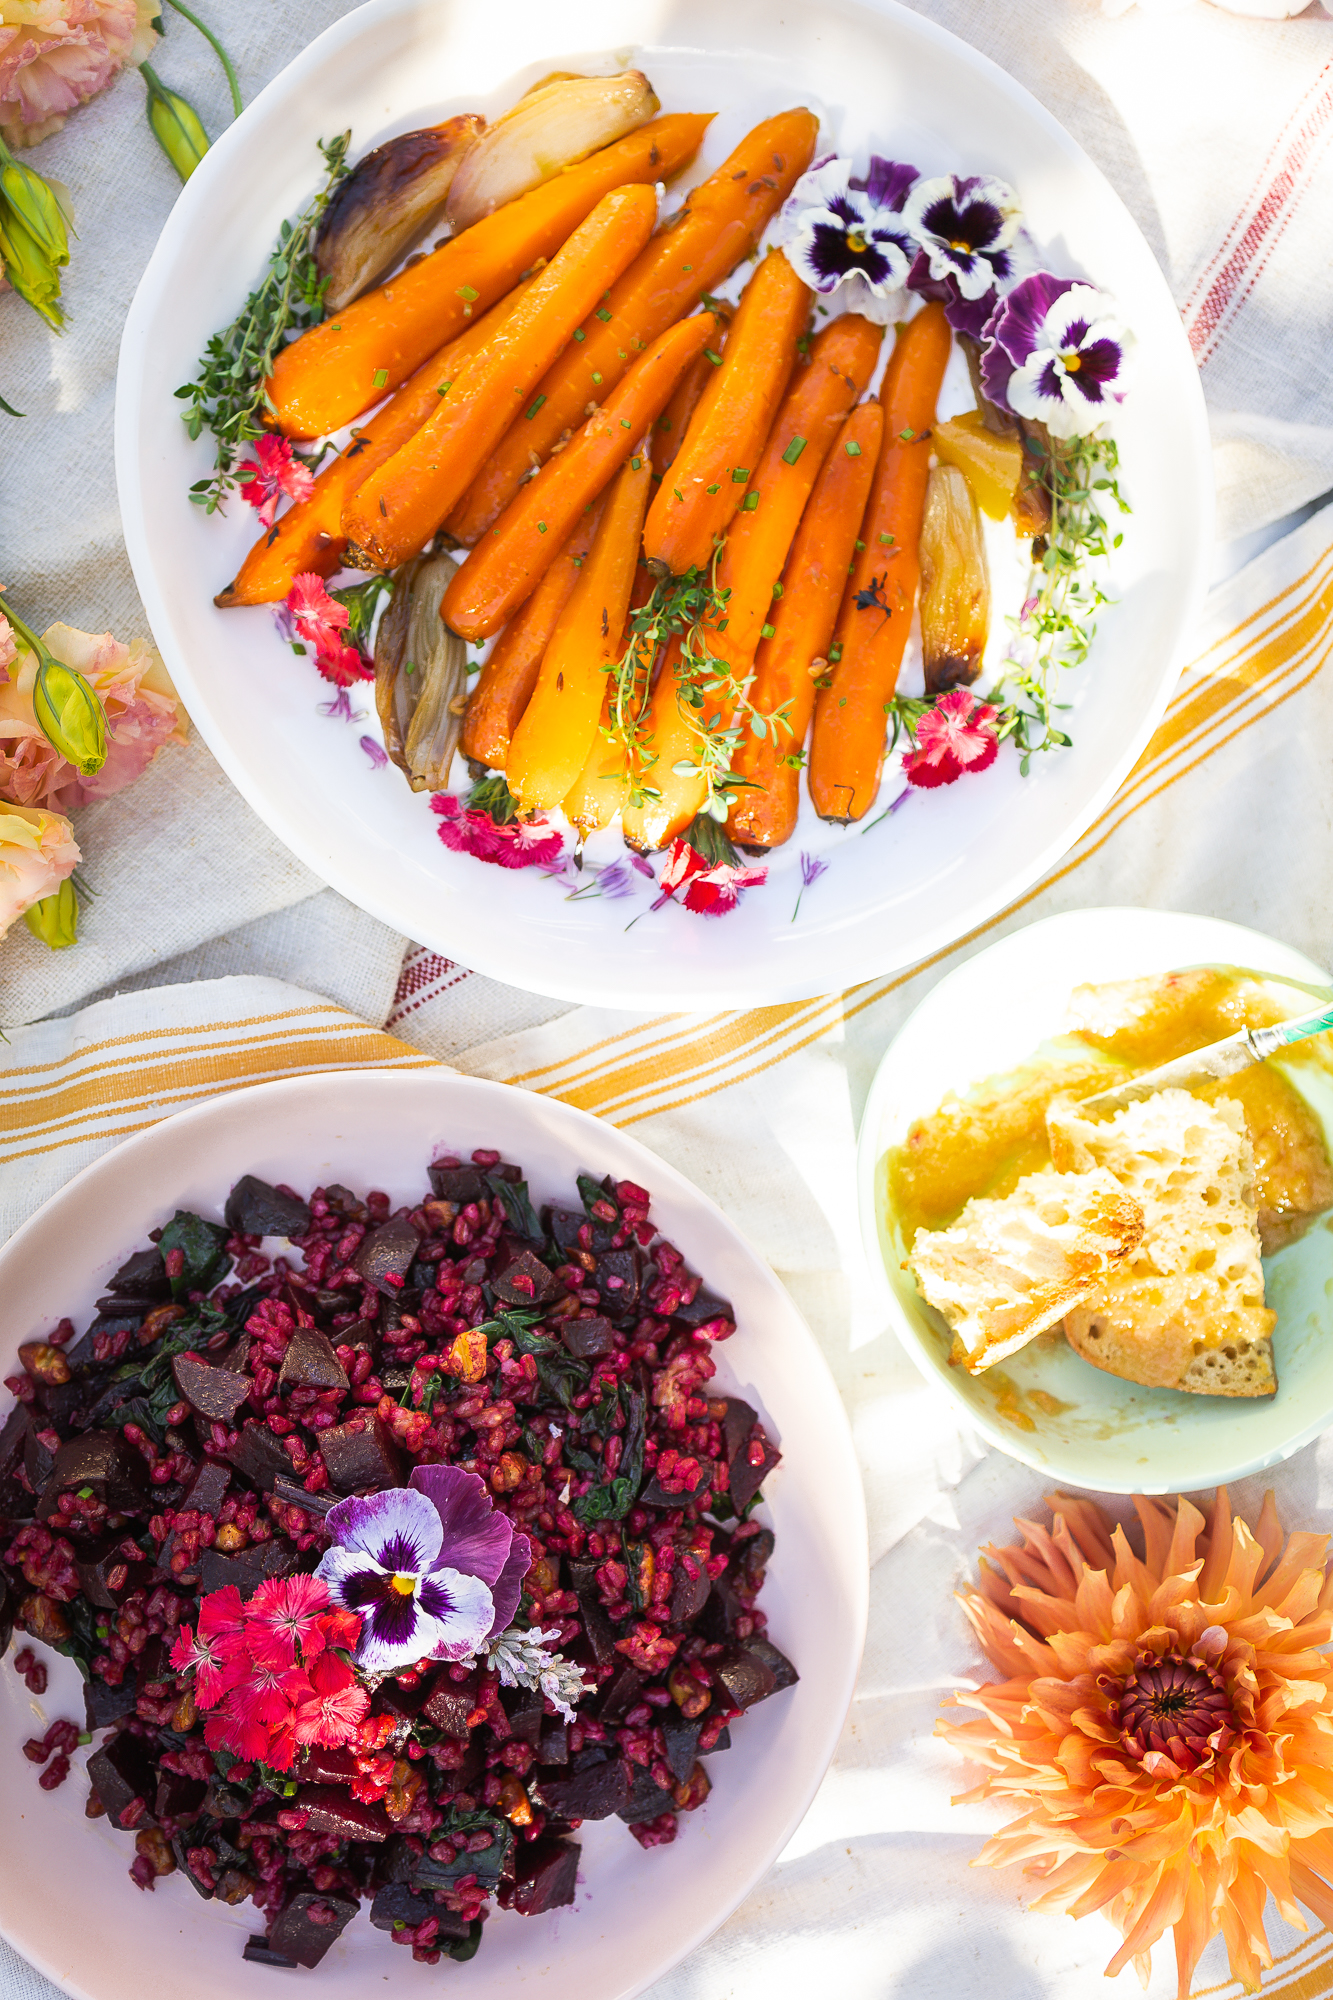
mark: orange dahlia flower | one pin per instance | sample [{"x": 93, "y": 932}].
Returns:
[{"x": 1166, "y": 1725}]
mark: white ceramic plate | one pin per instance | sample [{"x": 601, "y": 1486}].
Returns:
[
  {"x": 1113, "y": 1436},
  {"x": 66, "y": 1900},
  {"x": 883, "y": 78}
]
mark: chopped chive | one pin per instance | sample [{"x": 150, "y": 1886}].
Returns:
[
  {"x": 709, "y": 355},
  {"x": 860, "y": 545},
  {"x": 381, "y": 377},
  {"x": 679, "y": 495},
  {"x": 636, "y": 465},
  {"x": 907, "y": 436},
  {"x": 712, "y": 489},
  {"x": 885, "y": 540},
  {"x": 541, "y": 527},
  {"x": 445, "y": 387},
  {"x": 749, "y": 503},
  {"x": 466, "y": 292},
  {"x": 687, "y": 267},
  {"x": 852, "y": 448},
  {"x": 535, "y": 407},
  {"x": 602, "y": 313},
  {"x": 739, "y": 474},
  {"x": 777, "y": 590},
  {"x": 297, "y": 647},
  {"x": 596, "y": 377},
  {"x": 579, "y": 334},
  {"x": 793, "y": 451},
  {"x": 624, "y": 423},
  {"x": 766, "y": 631},
  {"x": 835, "y": 652}
]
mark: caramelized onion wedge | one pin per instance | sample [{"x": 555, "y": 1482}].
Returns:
[
  {"x": 955, "y": 583},
  {"x": 386, "y": 202},
  {"x": 421, "y": 710},
  {"x": 558, "y": 123}
]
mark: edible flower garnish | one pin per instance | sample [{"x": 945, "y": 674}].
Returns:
[
  {"x": 842, "y": 232},
  {"x": 1162, "y": 1724},
  {"x": 321, "y": 621},
  {"x": 433, "y": 1568},
  {"x": 37, "y": 856},
  {"x": 811, "y": 870},
  {"x": 487, "y": 827},
  {"x": 709, "y": 890},
  {"x": 274, "y": 470},
  {"x": 522, "y": 1659},
  {"x": 1055, "y": 352},
  {"x": 964, "y": 225},
  {"x": 957, "y": 733}
]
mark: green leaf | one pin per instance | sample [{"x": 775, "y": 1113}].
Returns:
[
  {"x": 513, "y": 1199},
  {"x": 611, "y": 1499},
  {"x": 202, "y": 1244}
]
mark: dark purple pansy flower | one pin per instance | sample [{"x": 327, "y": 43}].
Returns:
[
  {"x": 964, "y": 315},
  {"x": 1056, "y": 351},
  {"x": 432, "y": 1568},
  {"x": 963, "y": 226},
  {"x": 837, "y": 235}
]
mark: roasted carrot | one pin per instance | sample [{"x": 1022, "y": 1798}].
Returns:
[
  {"x": 670, "y": 428},
  {"x": 709, "y": 478},
  {"x": 720, "y": 223},
  {"x": 394, "y": 513},
  {"x": 496, "y": 704},
  {"x": 823, "y": 389},
  {"x": 520, "y": 548},
  {"x": 598, "y": 792},
  {"x": 670, "y": 738},
  {"x": 330, "y": 374},
  {"x": 551, "y": 743},
  {"x": 788, "y": 663},
  {"x": 309, "y": 535},
  {"x": 847, "y": 746}
]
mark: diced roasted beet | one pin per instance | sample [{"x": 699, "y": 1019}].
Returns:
[
  {"x": 590, "y": 1754},
  {"x": 783, "y": 1672},
  {"x": 619, "y": 1279},
  {"x": 680, "y": 1733},
  {"x": 143, "y": 1275},
  {"x": 526, "y": 1281},
  {"x": 125, "y": 1304},
  {"x": 310, "y": 1362},
  {"x": 208, "y": 1489},
  {"x": 391, "y": 1698},
  {"x": 703, "y": 1306},
  {"x": 37, "y": 1457},
  {"x": 450, "y": 1702},
  {"x": 236, "y": 1358},
  {"x": 654, "y": 1494},
  {"x": 103, "y": 1705},
  {"x": 110, "y": 1465},
  {"x": 81, "y": 1354},
  {"x": 221, "y": 1802},
  {"x": 526, "y": 1710},
  {"x": 588, "y": 1339},
  {"x": 397, "y": 1904},
  {"x": 12, "y": 1436},
  {"x": 553, "y": 1744},
  {"x": 259, "y": 1457},
  {"x": 736, "y": 1426},
  {"x": 250, "y": 1568},
  {"x": 746, "y": 1678},
  {"x": 386, "y": 1254},
  {"x": 592, "y": 1794},
  {"x": 309, "y": 1924},
  {"x": 343, "y": 1202},
  {"x": 59, "y": 1400},
  {"x": 689, "y": 1593},
  {"x": 620, "y": 1694},
  {"x": 360, "y": 1461},
  {"x": 332, "y": 1809},
  {"x": 750, "y": 1555},
  {"x": 646, "y": 1799},
  {"x": 179, "y": 1798},
  {"x": 215, "y": 1392},
  {"x": 105, "y": 1576},
  {"x": 6, "y": 1615},
  {"x": 545, "y": 1875},
  {"x": 120, "y": 1772},
  {"x": 326, "y": 1767},
  {"x": 745, "y": 1479},
  {"x": 596, "y": 1625},
  {"x": 258, "y": 1951},
  {"x": 256, "y": 1209},
  {"x": 460, "y": 1184},
  {"x": 564, "y": 1224},
  {"x": 295, "y": 1495},
  {"x": 180, "y": 1847},
  {"x": 99, "y": 1412}
]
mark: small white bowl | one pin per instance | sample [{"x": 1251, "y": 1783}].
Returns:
[
  {"x": 1113, "y": 1436},
  {"x": 66, "y": 1900}
]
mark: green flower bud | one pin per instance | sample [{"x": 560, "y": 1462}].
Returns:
[
  {"x": 176, "y": 124},
  {"x": 55, "y": 920},
  {"x": 28, "y": 268},
  {"x": 69, "y": 714},
  {"x": 36, "y": 207}
]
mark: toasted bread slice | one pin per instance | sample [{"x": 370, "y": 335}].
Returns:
[
  {"x": 1186, "y": 1310},
  {"x": 1007, "y": 1270}
]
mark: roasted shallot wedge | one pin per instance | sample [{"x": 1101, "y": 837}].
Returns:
[
  {"x": 955, "y": 583},
  {"x": 559, "y": 122},
  {"x": 420, "y": 675},
  {"x": 389, "y": 200}
]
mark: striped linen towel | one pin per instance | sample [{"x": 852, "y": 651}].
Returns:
[{"x": 760, "y": 1108}]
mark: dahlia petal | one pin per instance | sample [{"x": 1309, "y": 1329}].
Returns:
[
  {"x": 475, "y": 1538},
  {"x": 400, "y": 1519}
]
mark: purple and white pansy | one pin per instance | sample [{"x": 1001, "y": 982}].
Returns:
[
  {"x": 841, "y": 232},
  {"x": 432, "y": 1568},
  {"x": 1056, "y": 352},
  {"x": 964, "y": 226}
]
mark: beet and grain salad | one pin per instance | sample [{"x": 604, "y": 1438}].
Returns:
[{"x": 388, "y": 1564}]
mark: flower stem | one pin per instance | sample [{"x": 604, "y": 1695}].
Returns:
[{"x": 233, "y": 85}]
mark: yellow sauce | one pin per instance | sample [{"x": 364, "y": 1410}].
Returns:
[{"x": 986, "y": 1143}]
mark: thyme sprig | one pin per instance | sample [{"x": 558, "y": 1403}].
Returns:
[
  {"x": 714, "y": 702},
  {"x": 228, "y": 397},
  {"x": 1058, "y": 622}
]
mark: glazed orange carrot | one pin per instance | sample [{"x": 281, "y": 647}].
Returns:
[
  {"x": 309, "y": 535},
  {"x": 394, "y": 513},
  {"x": 598, "y": 792},
  {"x": 847, "y": 746},
  {"x": 670, "y": 428},
  {"x": 670, "y": 738},
  {"x": 823, "y": 389},
  {"x": 551, "y": 743},
  {"x": 496, "y": 704},
  {"x": 694, "y": 250},
  {"x": 790, "y": 660},
  {"x": 336, "y": 370},
  {"x": 520, "y": 548},
  {"x": 735, "y": 411}
]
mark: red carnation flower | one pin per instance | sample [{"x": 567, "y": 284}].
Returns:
[{"x": 958, "y": 734}]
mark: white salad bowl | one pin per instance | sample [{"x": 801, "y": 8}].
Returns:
[
  {"x": 66, "y": 1900},
  {"x": 1100, "y": 1432},
  {"x": 884, "y": 80}
]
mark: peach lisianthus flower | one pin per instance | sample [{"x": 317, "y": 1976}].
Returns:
[
  {"x": 37, "y": 852},
  {"x": 143, "y": 715},
  {"x": 56, "y": 54},
  {"x": 1166, "y": 1724}
]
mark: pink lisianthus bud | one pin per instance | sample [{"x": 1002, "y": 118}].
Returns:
[{"x": 37, "y": 853}]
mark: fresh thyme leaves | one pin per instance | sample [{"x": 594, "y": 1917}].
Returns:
[
  {"x": 228, "y": 398},
  {"x": 1058, "y": 622},
  {"x": 692, "y": 611},
  {"x": 362, "y": 601},
  {"x": 492, "y": 795}
]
